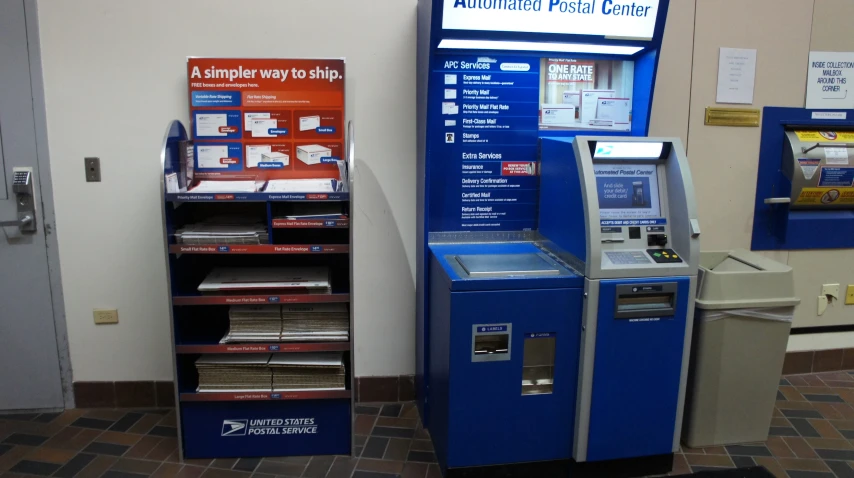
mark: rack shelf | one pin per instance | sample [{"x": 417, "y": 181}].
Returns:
[
  {"x": 258, "y": 299},
  {"x": 255, "y": 197},
  {"x": 226, "y": 424},
  {"x": 260, "y": 249},
  {"x": 310, "y": 223},
  {"x": 263, "y": 396},
  {"x": 283, "y": 347}
]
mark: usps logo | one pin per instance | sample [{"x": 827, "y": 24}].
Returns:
[
  {"x": 604, "y": 150},
  {"x": 233, "y": 428}
]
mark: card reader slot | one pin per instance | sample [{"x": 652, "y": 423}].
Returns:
[{"x": 645, "y": 305}]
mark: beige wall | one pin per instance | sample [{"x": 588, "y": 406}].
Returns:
[
  {"x": 115, "y": 74},
  {"x": 724, "y": 160}
]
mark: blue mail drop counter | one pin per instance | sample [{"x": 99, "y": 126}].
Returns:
[{"x": 494, "y": 376}]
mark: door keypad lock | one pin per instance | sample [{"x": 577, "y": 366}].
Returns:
[{"x": 22, "y": 187}]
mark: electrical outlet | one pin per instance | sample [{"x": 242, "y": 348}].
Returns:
[
  {"x": 830, "y": 290},
  {"x": 106, "y": 316},
  {"x": 849, "y": 297},
  {"x": 93, "y": 170}
]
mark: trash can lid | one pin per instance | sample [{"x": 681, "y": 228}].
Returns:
[{"x": 743, "y": 279}]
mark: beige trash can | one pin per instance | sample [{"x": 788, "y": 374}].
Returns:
[{"x": 745, "y": 307}]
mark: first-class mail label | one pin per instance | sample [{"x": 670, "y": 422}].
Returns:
[{"x": 622, "y": 18}]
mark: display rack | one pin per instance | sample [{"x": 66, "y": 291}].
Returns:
[{"x": 245, "y": 424}]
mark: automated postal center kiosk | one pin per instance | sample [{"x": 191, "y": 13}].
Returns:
[
  {"x": 623, "y": 211},
  {"x": 499, "y": 323}
]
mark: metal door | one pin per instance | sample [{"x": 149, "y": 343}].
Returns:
[{"x": 29, "y": 359}]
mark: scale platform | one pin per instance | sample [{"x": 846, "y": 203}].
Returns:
[{"x": 508, "y": 265}]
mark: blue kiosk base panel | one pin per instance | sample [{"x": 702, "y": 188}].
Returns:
[
  {"x": 626, "y": 468},
  {"x": 275, "y": 428}
]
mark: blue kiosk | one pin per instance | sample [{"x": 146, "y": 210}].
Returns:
[{"x": 554, "y": 288}]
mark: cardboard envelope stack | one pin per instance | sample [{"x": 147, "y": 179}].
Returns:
[
  {"x": 308, "y": 371},
  {"x": 316, "y": 323},
  {"x": 234, "y": 373},
  {"x": 224, "y": 230},
  {"x": 267, "y": 280},
  {"x": 253, "y": 323}
]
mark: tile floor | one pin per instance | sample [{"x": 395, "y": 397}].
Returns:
[{"x": 812, "y": 437}]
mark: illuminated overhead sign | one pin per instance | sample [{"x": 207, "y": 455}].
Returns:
[{"x": 614, "y": 18}]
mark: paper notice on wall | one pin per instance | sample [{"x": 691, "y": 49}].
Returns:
[
  {"x": 829, "y": 80},
  {"x": 211, "y": 156},
  {"x": 736, "y": 75},
  {"x": 836, "y": 156},
  {"x": 254, "y": 152}
]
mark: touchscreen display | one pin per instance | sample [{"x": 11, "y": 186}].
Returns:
[{"x": 627, "y": 191}]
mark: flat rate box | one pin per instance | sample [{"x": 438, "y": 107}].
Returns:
[
  {"x": 308, "y": 123},
  {"x": 276, "y": 158},
  {"x": 312, "y": 153},
  {"x": 559, "y": 115}
]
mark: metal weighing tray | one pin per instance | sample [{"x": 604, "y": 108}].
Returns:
[{"x": 506, "y": 265}]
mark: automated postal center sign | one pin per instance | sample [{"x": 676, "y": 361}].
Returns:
[{"x": 619, "y": 18}]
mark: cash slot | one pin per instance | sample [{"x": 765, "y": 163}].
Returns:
[{"x": 645, "y": 304}]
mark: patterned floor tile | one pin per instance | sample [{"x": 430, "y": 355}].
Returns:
[{"x": 811, "y": 436}]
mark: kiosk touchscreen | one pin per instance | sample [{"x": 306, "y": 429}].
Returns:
[{"x": 630, "y": 223}]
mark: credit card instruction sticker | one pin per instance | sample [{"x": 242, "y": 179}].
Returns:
[{"x": 627, "y": 191}]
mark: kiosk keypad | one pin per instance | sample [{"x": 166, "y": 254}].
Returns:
[
  {"x": 664, "y": 256},
  {"x": 627, "y": 258}
]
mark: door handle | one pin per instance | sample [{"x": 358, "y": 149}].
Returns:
[
  {"x": 22, "y": 186},
  {"x": 22, "y": 222}
]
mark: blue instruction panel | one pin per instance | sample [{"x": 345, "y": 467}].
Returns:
[
  {"x": 836, "y": 177},
  {"x": 486, "y": 160}
]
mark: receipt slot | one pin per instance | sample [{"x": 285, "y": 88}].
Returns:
[{"x": 623, "y": 211}]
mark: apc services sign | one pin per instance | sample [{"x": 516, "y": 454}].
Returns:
[{"x": 616, "y": 18}]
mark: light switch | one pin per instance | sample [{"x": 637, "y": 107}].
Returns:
[{"x": 849, "y": 296}]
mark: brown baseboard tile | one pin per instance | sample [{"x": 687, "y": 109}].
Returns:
[
  {"x": 385, "y": 389},
  {"x": 140, "y": 394},
  {"x": 818, "y": 361}
]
